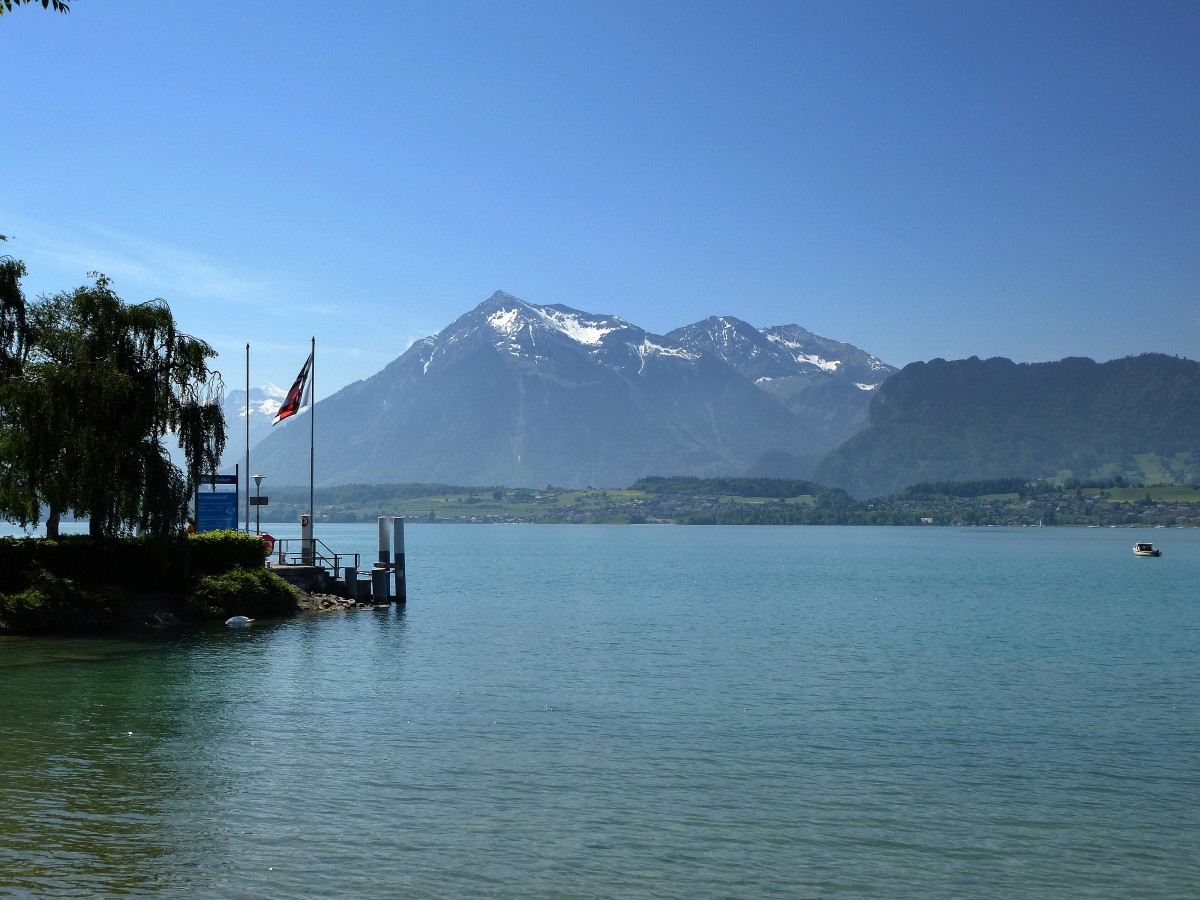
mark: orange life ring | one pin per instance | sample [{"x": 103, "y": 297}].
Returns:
[{"x": 269, "y": 543}]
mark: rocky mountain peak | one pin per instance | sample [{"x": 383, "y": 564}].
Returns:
[
  {"x": 539, "y": 333},
  {"x": 519, "y": 393}
]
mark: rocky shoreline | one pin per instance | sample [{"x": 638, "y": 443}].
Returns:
[{"x": 317, "y": 603}]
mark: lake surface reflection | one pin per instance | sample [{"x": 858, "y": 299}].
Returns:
[{"x": 638, "y": 710}]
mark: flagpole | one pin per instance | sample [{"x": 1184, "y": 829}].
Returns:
[
  {"x": 247, "y": 438},
  {"x": 312, "y": 427}
]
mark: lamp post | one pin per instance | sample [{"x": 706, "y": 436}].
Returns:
[{"x": 257, "y": 502}]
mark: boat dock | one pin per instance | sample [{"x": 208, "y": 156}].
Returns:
[{"x": 308, "y": 565}]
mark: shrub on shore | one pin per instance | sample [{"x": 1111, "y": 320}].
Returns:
[
  {"x": 79, "y": 583},
  {"x": 50, "y": 602},
  {"x": 246, "y": 592}
]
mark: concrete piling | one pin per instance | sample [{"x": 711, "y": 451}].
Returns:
[
  {"x": 385, "y": 561},
  {"x": 398, "y": 541},
  {"x": 379, "y": 584}
]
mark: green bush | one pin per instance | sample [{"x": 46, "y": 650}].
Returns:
[
  {"x": 77, "y": 582},
  {"x": 245, "y": 592},
  {"x": 133, "y": 563},
  {"x": 53, "y": 603},
  {"x": 213, "y": 552},
  {"x": 129, "y": 562}
]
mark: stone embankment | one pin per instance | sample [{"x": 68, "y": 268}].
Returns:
[{"x": 317, "y": 602}]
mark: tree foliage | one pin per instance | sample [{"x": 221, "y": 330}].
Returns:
[
  {"x": 731, "y": 486},
  {"x": 56, "y": 5},
  {"x": 12, "y": 314},
  {"x": 976, "y": 488},
  {"x": 90, "y": 390}
]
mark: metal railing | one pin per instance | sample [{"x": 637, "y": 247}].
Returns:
[{"x": 283, "y": 555}]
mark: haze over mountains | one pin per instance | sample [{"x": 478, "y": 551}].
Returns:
[{"x": 519, "y": 394}]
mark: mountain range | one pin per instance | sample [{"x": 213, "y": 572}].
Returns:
[{"x": 524, "y": 395}]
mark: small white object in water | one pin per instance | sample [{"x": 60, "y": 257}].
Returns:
[{"x": 238, "y": 620}]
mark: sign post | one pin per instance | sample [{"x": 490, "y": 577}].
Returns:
[
  {"x": 258, "y": 501},
  {"x": 217, "y": 510}
]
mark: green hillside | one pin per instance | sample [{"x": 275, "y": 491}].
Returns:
[
  {"x": 752, "y": 501},
  {"x": 1136, "y": 418}
]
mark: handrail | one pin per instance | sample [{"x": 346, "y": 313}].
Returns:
[{"x": 285, "y": 557}]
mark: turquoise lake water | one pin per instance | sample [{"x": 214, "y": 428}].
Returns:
[{"x": 639, "y": 711}]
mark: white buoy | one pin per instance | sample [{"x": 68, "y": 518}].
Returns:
[{"x": 237, "y": 621}]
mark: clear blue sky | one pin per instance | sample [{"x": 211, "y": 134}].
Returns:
[{"x": 920, "y": 179}]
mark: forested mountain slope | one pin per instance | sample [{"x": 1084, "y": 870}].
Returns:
[{"x": 1137, "y": 417}]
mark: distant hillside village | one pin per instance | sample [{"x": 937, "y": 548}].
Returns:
[
  {"x": 1066, "y": 508},
  {"x": 747, "y": 501}
]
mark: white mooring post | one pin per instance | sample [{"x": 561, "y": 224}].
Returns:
[
  {"x": 308, "y": 550},
  {"x": 385, "y": 561},
  {"x": 398, "y": 541}
]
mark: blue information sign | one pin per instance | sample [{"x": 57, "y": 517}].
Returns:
[{"x": 216, "y": 510}]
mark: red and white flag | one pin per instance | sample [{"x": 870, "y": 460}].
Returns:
[{"x": 296, "y": 398}]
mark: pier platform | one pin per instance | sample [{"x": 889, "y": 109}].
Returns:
[{"x": 319, "y": 580}]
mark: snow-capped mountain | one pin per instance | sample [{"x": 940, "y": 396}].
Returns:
[
  {"x": 520, "y": 394},
  {"x": 541, "y": 335},
  {"x": 264, "y": 404},
  {"x": 812, "y": 353},
  {"x": 827, "y": 383},
  {"x": 781, "y": 351}
]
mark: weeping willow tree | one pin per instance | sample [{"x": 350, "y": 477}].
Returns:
[
  {"x": 56, "y": 5},
  {"x": 12, "y": 315},
  {"x": 17, "y": 501},
  {"x": 91, "y": 390}
]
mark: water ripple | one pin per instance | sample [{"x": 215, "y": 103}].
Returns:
[{"x": 651, "y": 712}]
